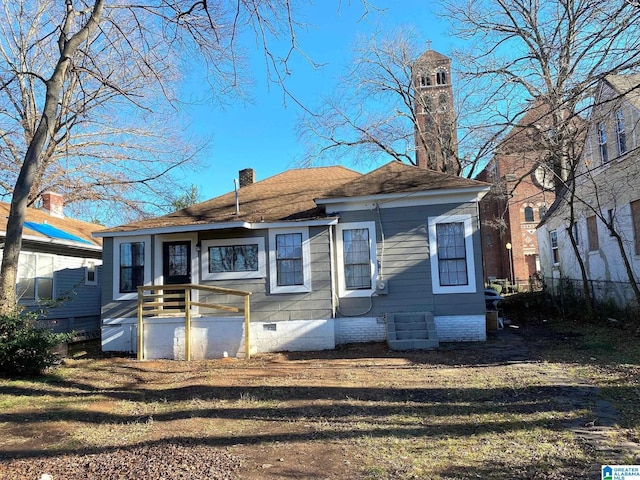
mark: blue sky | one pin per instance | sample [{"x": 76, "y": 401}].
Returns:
[{"x": 261, "y": 134}]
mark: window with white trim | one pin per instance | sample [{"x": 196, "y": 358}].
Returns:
[
  {"x": 602, "y": 142},
  {"x": 621, "y": 135},
  {"x": 357, "y": 265},
  {"x": 451, "y": 253},
  {"x": 90, "y": 273},
  {"x": 233, "y": 258},
  {"x": 131, "y": 266},
  {"x": 35, "y": 277},
  {"x": 289, "y": 260},
  {"x": 553, "y": 240}
]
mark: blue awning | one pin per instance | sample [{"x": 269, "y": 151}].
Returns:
[{"x": 53, "y": 232}]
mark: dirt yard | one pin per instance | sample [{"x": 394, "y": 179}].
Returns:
[{"x": 499, "y": 410}]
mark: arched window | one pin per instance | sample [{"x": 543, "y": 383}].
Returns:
[
  {"x": 425, "y": 80},
  {"x": 441, "y": 77},
  {"x": 528, "y": 214}
]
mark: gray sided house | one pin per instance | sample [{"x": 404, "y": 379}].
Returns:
[
  {"x": 330, "y": 256},
  {"x": 59, "y": 268}
]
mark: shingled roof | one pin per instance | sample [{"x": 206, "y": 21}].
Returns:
[
  {"x": 286, "y": 196},
  {"x": 41, "y": 226},
  {"x": 292, "y": 195},
  {"x": 400, "y": 178}
]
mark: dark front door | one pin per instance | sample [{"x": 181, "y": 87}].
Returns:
[{"x": 176, "y": 269}]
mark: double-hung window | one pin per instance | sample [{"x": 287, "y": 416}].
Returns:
[
  {"x": 132, "y": 266},
  {"x": 233, "y": 258},
  {"x": 90, "y": 273},
  {"x": 602, "y": 143},
  {"x": 451, "y": 253},
  {"x": 357, "y": 265},
  {"x": 553, "y": 239},
  {"x": 35, "y": 277},
  {"x": 289, "y": 260},
  {"x": 621, "y": 135}
]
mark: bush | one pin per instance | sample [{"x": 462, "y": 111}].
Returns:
[{"x": 26, "y": 350}]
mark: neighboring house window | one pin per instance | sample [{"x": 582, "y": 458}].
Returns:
[
  {"x": 528, "y": 214},
  {"x": 233, "y": 258},
  {"x": 621, "y": 135},
  {"x": 90, "y": 273},
  {"x": 592, "y": 233},
  {"x": 602, "y": 143},
  {"x": 357, "y": 266},
  {"x": 451, "y": 252},
  {"x": 635, "y": 219},
  {"x": 576, "y": 235},
  {"x": 289, "y": 260},
  {"x": 553, "y": 238},
  {"x": 132, "y": 266},
  {"x": 35, "y": 276}
]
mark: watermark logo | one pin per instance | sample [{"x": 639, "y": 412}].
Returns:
[{"x": 620, "y": 472}]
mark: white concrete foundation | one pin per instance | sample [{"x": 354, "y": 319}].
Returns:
[{"x": 164, "y": 337}]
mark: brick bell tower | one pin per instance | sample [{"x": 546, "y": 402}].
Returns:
[{"x": 435, "y": 135}]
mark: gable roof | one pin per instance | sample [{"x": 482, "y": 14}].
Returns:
[
  {"x": 40, "y": 226},
  {"x": 399, "y": 178},
  {"x": 626, "y": 85},
  {"x": 296, "y": 195}
]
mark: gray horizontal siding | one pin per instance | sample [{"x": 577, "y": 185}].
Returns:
[
  {"x": 264, "y": 305},
  {"x": 403, "y": 246}
]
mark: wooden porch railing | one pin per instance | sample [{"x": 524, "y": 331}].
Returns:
[{"x": 172, "y": 300}]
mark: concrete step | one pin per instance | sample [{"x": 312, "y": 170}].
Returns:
[{"x": 413, "y": 344}]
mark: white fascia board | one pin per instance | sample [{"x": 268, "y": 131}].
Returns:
[
  {"x": 413, "y": 199},
  {"x": 216, "y": 226},
  {"x": 302, "y": 223}
]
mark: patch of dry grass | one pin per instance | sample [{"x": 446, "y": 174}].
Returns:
[{"x": 367, "y": 413}]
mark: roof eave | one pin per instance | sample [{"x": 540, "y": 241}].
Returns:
[
  {"x": 215, "y": 226},
  {"x": 480, "y": 190}
]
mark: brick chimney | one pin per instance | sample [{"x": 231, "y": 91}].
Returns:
[
  {"x": 53, "y": 203},
  {"x": 246, "y": 177}
]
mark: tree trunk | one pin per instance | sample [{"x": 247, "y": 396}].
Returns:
[{"x": 54, "y": 89}]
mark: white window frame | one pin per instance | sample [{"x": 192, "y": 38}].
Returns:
[
  {"x": 437, "y": 288},
  {"x": 603, "y": 150},
  {"x": 342, "y": 284},
  {"x": 88, "y": 264},
  {"x": 554, "y": 247},
  {"x": 621, "y": 133},
  {"x": 146, "y": 239},
  {"x": 229, "y": 242},
  {"x": 34, "y": 277},
  {"x": 306, "y": 262}
]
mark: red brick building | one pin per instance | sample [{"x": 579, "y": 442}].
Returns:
[{"x": 522, "y": 191}]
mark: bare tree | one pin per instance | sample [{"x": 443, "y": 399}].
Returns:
[
  {"x": 79, "y": 78},
  {"x": 553, "y": 52}
]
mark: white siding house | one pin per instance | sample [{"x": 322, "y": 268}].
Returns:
[{"x": 607, "y": 196}]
